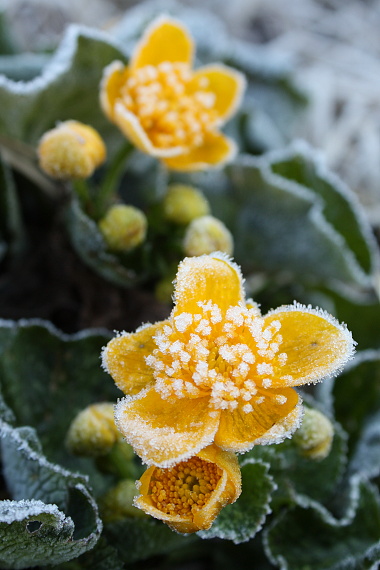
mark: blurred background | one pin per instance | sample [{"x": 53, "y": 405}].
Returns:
[{"x": 333, "y": 47}]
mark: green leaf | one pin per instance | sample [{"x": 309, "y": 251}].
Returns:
[
  {"x": 52, "y": 516},
  {"x": 285, "y": 226},
  {"x": 141, "y": 538},
  {"x": 91, "y": 247},
  {"x": 357, "y": 392},
  {"x": 366, "y": 456},
  {"x": 296, "y": 475},
  {"x": 11, "y": 226},
  {"x": 308, "y": 537},
  {"x": 67, "y": 89},
  {"x": 240, "y": 521},
  {"x": 47, "y": 377}
]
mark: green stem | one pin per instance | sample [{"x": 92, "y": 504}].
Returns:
[
  {"x": 82, "y": 190},
  {"x": 111, "y": 180}
]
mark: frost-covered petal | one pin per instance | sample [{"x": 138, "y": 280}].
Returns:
[
  {"x": 164, "y": 432},
  {"x": 315, "y": 343},
  {"x": 114, "y": 77},
  {"x": 131, "y": 127},
  {"x": 166, "y": 39},
  {"x": 124, "y": 358},
  {"x": 225, "y": 83},
  {"x": 207, "y": 277},
  {"x": 274, "y": 417},
  {"x": 215, "y": 151}
]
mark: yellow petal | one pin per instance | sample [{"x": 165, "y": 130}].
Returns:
[
  {"x": 207, "y": 277},
  {"x": 215, "y": 151},
  {"x": 124, "y": 358},
  {"x": 196, "y": 517},
  {"x": 228, "y": 489},
  {"x": 131, "y": 127},
  {"x": 166, "y": 39},
  {"x": 165, "y": 432},
  {"x": 315, "y": 343},
  {"x": 114, "y": 77},
  {"x": 227, "y": 84},
  {"x": 271, "y": 421}
]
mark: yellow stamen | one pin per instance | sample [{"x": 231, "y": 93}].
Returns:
[
  {"x": 185, "y": 487},
  {"x": 172, "y": 113}
]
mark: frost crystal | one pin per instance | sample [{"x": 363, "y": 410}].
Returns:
[{"x": 232, "y": 359}]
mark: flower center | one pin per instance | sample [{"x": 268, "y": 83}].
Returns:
[
  {"x": 185, "y": 487},
  {"x": 230, "y": 358},
  {"x": 173, "y": 108}
]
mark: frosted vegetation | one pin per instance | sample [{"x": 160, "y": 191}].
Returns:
[{"x": 302, "y": 240}]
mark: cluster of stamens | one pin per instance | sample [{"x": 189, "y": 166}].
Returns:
[
  {"x": 173, "y": 108},
  {"x": 229, "y": 358},
  {"x": 185, "y": 487}
]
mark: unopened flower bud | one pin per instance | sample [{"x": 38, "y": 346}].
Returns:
[
  {"x": 93, "y": 431},
  {"x": 206, "y": 235},
  {"x": 117, "y": 503},
  {"x": 71, "y": 150},
  {"x": 315, "y": 436},
  {"x": 183, "y": 204},
  {"x": 123, "y": 227}
]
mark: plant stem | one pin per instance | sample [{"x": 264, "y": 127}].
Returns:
[{"x": 111, "y": 180}]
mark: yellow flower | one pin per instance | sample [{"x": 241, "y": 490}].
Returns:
[
  {"x": 164, "y": 107},
  {"x": 71, "y": 150},
  {"x": 189, "y": 496},
  {"x": 216, "y": 370}
]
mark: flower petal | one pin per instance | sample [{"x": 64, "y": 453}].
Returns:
[
  {"x": 131, "y": 127},
  {"x": 180, "y": 523},
  {"x": 114, "y": 77},
  {"x": 271, "y": 421},
  {"x": 215, "y": 151},
  {"x": 164, "y": 432},
  {"x": 316, "y": 344},
  {"x": 207, "y": 277},
  {"x": 166, "y": 39},
  {"x": 227, "y": 84},
  {"x": 124, "y": 358}
]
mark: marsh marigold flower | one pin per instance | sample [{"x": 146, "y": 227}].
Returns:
[
  {"x": 216, "y": 370},
  {"x": 71, "y": 150},
  {"x": 167, "y": 109},
  {"x": 189, "y": 495}
]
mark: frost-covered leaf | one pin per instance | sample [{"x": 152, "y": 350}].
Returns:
[
  {"x": 366, "y": 457},
  {"x": 141, "y": 538},
  {"x": 52, "y": 516},
  {"x": 90, "y": 245},
  {"x": 68, "y": 88},
  {"x": 357, "y": 392},
  {"x": 296, "y": 475},
  {"x": 284, "y": 225},
  {"x": 47, "y": 377},
  {"x": 308, "y": 536},
  {"x": 242, "y": 520}
]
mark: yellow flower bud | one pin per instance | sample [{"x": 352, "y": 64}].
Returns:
[
  {"x": 183, "y": 204},
  {"x": 71, "y": 150},
  {"x": 93, "y": 431},
  {"x": 117, "y": 503},
  {"x": 315, "y": 435},
  {"x": 123, "y": 227},
  {"x": 206, "y": 235}
]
